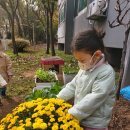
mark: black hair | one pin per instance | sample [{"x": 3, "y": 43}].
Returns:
[{"x": 89, "y": 41}]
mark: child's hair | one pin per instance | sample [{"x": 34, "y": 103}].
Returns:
[{"x": 89, "y": 41}]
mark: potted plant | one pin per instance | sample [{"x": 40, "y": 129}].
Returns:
[
  {"x": 41, "y": 114},
  {"x": 69, "y": 72},
  {"x": 45, "y": 92},
  {"x": 44, "y": 79}
]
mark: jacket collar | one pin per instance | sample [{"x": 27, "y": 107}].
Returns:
[{"x": 102, "y": 61}]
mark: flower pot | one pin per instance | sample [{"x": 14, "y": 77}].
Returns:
[
  {"x": 42, "y": 85},
  {"x": 68, "y": 77}
]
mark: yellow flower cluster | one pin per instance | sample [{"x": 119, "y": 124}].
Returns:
[{"x": 41, "y": 114}]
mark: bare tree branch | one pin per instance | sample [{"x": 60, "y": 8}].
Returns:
[
  {"x": 124, "y": 6},
  {"x": 38, "y": 16},
  {"x": 112, "y": 25},
  {"x": 125, "y": 14},
  {"x": 16, "y": 7},
  {"x": 122, "y": 10},
  {"x": 3, "y": 5}
]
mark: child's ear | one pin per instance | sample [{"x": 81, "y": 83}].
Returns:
[{"x": 98, "y": 54}]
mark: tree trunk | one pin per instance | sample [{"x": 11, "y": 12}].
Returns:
[
  {"x": 20, "y": 33},
  {"x": 127, "y": 32},
  {"x": 47, "y": 33},
  {"x": 29, "y": 30},
  {"x": 21, "y": 21},
  {"x": 51, "y": 36},
  {"x": 13, "y": 37}
]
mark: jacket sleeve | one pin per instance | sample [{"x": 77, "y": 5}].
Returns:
[
  {"x": 69, "y": 91},
  {"x": 2, "y": 81},
  {"x": 103, "y": 85},
  {"x": 9, "y": 65}
]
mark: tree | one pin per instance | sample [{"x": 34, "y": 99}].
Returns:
[
  {"x": 22, "y": 17},
  {"x": 19, "y": 19},
  {"x": 10, "y": 6},
  {"x": 47, "y": 26},
  {"x": 35, "y": 17},
  {"x": 47, "y": 21},
  {"x": 28, "y": 2},
  {"x": 42, "y": 15},
  {"x": 48, "y": 8},
  {"x": 20, "y": 31},
  {"x": 123, "y": 19},
  {"x": 3, "y": 17},
  {"x": 51, "y": 13}
]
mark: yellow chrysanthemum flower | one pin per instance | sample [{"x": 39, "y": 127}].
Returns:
[
  {"x": 41, "y": 114},
  {"x": 55, "y": 127},
  {"x": 39, "y": 126},
  {"x": 52, "y": 120},
  {"x": 35, "y": 115}
]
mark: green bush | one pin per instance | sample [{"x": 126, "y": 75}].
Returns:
[{"x": 21, "y": 44}]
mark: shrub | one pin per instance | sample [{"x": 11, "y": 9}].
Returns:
[
  {"x": 21, "y": 44},
  {"x": 47, "y": 114}
]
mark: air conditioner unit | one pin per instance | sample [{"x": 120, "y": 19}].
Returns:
[{"x": 97, "y": 10}]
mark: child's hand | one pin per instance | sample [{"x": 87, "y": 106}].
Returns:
[{"x": 71, "y": 101}]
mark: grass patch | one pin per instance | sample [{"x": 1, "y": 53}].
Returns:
[
  {"x": 28, "y": 62},
  {"x": 25, "y": 62}
]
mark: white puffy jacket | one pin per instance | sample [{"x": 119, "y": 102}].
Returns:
[{"x": 94, "y": 94}]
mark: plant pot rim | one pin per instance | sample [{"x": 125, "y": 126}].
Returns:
[{"x": 69, "y": 73}]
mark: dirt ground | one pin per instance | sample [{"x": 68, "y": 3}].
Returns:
[
  {"x": 121, "y": 116},
  {"x": 8, "y": 105},
  {"x": 120, "y": 119}
]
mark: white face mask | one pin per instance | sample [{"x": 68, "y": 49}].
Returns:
[
  {"x": 84, "y": 66},
  {"x": 88, "y": 64}
]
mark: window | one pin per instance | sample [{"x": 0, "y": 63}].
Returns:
[
  {"x": 62, "y": 13},
  {"x": 82, "y": 4}
]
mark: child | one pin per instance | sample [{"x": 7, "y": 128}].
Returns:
[
  {"x": 5, "y": 69},
  {"x": 93, "y": 88}
]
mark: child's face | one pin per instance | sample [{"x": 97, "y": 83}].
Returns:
[
  {"x": 86, "y": 60},
  {"x": 82, "y": 57}
]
